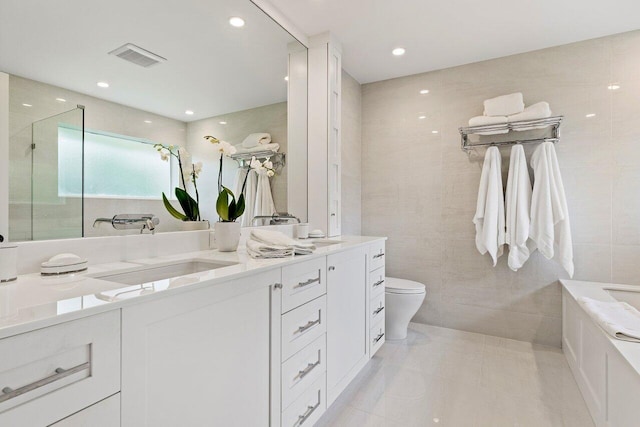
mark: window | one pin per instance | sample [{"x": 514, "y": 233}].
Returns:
[{"x": 114, "y": 166}]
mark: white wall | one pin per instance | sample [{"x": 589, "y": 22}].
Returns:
[{"x": 4, "y": 155}]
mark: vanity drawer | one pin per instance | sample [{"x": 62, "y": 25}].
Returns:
[
  {"x": 377, "y": 309},
  {"x": 303, "y": 282},
  {"x": 309, "y": 407},
  {"x": 376, "y": 282},
  {"x": 51, "y": 373},
  {"x": 376, "y": 337},
  {"x": 300, "y": 327},
  {"x": 303, "y": 369},
  {"x": 376, "y": 255}
]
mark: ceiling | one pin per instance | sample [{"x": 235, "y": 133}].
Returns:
[
  {"x": 212, "y": 68},
  {"x": 440, "y": 34}
]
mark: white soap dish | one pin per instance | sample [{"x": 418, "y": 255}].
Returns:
[
  {"x": 63, "y": 264},
  {"x": 317, "y": 233}
]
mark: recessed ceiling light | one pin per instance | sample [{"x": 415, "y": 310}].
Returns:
[
  {"x": 27, "y": 105},
  {"x": 590, "y": 115},
  {"x": 223, "y": 123},
  {"x": 189, "y": 113},
  {"x": 613, "y": 86},
  {"x": 103, "y": 84},
  {"x": 434, "y": 131},
  {"x": 399, "y": 51},
  {"x": 286, "y": 78},
  {"x": 424, "y": 91},
  {"x": 148, "y": 121},
  {"x": 422, "y": 117},
  {"x": 236, "y": 21},
  {"x": 61, "y": 100}
]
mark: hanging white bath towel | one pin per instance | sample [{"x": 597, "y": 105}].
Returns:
[
  {"x": 518, "y": 210},
  {"x": 264, "y": 199},
  {"x": 550, "y": 228},
  {"x": 489, "y": 217},
  {"x": 249, "y": 197}
]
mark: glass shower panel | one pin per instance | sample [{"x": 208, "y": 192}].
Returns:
[{"x": 56, "y": 212}]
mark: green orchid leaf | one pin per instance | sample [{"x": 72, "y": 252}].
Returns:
[
  {"x": 189, "y": 205},
  {"x": 174, "y": 213},
  {"x": 240, "y": 207},
  {"x": 222, "y": 205}
]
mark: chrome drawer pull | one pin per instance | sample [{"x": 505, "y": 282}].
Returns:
[
  {"x": 378, "y": 338},
  {"x": 378, "y": 310},
  {"x": 60, "y": 373},
  {"x": 310, "y": 367},
  {"x": 308, "y": 282},
  {"x": 277, "y": 286},
  {"x": 310, "y": 324},
  {"x": 378, "y": 283},
  {"x": 380, "y": 255},
  {"x": 310, "y": 409}
]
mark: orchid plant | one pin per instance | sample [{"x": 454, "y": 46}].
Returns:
[
  {"x": 229, "y": 207},
  {"x": 189, "y": 172}
]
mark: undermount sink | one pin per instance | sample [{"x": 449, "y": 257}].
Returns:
[
  {"x": 326, "y": 242},
  {"x": 152, "y": 273}
]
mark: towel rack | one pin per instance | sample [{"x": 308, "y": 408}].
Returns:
[
  {"x": 552, "y": 122},
  {"x": 278, "y": 159}
]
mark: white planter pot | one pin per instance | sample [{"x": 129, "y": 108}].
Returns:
[
  {"x": 194, "y": 225},
  {"x": 227, "y": 236}
]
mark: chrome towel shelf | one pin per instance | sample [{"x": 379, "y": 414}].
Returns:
[
  {"x": 524, "y": 125},
  {"x": 278, "y": 159}
]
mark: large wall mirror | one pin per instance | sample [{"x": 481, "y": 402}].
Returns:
[{"x": 95, "y": 87}]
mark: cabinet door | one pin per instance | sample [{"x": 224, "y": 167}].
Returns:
[
  {"x": 199, "y": 358},
  {"x": 346, "y": 319}
]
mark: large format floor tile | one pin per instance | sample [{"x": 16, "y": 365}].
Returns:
[{"x": 445, "y": 377}]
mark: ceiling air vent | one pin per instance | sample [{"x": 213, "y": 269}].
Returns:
[{"x": 137, "y": 55}]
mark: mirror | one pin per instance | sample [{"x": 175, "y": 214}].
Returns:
[{"x": 93, "y": 88}]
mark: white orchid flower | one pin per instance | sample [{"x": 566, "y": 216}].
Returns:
[
  {"x": 197, "y": 168},
  {"x": 183, "y": 152},
  {"x": 270, "y": 173},
  {"x": 268, "y": 164},
  {"x": 255, "y": 164},
  {"x": 164, "y": 156}
]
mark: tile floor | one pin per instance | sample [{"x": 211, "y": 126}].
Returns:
[{"x": 445, "y": 377}]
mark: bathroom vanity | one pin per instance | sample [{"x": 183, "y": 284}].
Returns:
[{"x": 231, "y": 341}]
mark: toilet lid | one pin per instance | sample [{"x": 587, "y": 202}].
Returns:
[{"x": 402, "y": 286}]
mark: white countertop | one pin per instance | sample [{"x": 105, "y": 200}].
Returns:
[
  {"x": 597, "y": 291},
  {"x": 34, "y": 301}
]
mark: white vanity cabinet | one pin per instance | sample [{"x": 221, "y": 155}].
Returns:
[
  {"x": 199, "y": 358},
  {"x": 347, "y": 350},
  {"x": 51, "y": 373}
]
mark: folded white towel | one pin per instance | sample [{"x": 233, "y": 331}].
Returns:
[
  {"x": 262, "y": 250},
  {"x": 518, "y": 206},
  {"x": 278, "y": 239},
  {"x": 504, "y": 105},
  {"x": 489, "y": 120},
  {"x": 489, "y": 217},
  {"x": 618, "y": 319},
  {"x": 550, "y": 228},
  {"x": 256, "y": 139},
  {"x": 266, "y": 147},
  {"x": 540, "y": 110}
]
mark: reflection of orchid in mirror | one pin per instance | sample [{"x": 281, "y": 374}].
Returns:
[
  {"x": 188, "y": 173},
  {"x": 265, "y": 167}
]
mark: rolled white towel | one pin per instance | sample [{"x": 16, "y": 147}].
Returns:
[
  {"x": 618, "y": 319},
  {"x": 540, "y": 110},
  {"x": 504, "y": 105},
  {"x": 256, "y": 139},
  {"x": 266, "y": 147},
  {"x": 489, "y": 120}
]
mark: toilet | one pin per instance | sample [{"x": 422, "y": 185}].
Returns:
[{"x": 403, "y": 299}]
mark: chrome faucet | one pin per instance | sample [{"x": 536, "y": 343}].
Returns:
[
  {"x": 131, "y": 222},
  {"x": 275, "y": 219}
]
